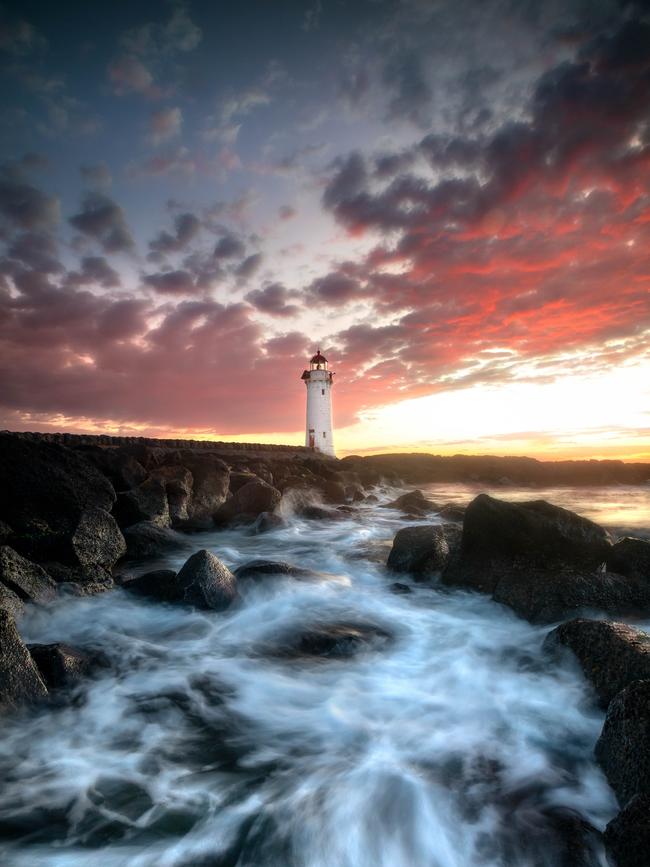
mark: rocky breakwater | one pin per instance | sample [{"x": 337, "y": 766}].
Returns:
[
  {"x": 548, "y": 564},
  {"x": 76, "y": 510}
]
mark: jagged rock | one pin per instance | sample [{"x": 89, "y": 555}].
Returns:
[
  {"x": 452, "y": 512},
  {"x": 333, "y": 640},
  {"x": 158, "y": 584},
  {"x": 332, "y": 490},
  {"x": 97, "y": 540},
  {"x": 262, "y": 568},
  {"x": 623, "y": 749},
  {"x": 540, "y": 560},
  {"x": 147, "y": 502},
  {"x": 80, "y": 586},
  {"x": 413, "y": 503},
  {"x": 499, "y": 537},
  {"x": 627, "y": 837},
  {"x": 48, "y": 485},
  {"x": 148, "y": 540},
  {"x": 422, "y": 551},
  {"x": 248, "y": 502},
  {"x": 19, "y": 678},
  {"x": 240, "y": 478},
  {"x": 611, "y": 655},
  {"x": 399, "y": 589},
  {"x": 209, "y": 487},
  {"x": 318, "y": 513},
  {"x": 121, "y": 468},
  {"x": 11, "y": 602},
  {"x": 267, "y": 521},
  {"x": 630, "y": 557},
  {"x": 60, "y": 665},
  {"x": 179, "y": 483},
  {"x": 24, "y": 579},
  {"x": 204, "y": 581}
]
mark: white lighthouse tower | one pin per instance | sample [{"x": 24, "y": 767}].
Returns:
[{"x": 319, "y": 381}]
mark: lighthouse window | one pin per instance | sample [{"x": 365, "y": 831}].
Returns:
[
  {"x": 324, "y": 434},
  {"x": 322, "y": 391}
]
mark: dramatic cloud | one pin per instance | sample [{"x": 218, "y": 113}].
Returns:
[
  {"x": 23, "y": 205},
  {"x": 273, "y": 300},
  {"x": 103, "y": 220}
]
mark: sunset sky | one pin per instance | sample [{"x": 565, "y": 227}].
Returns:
[{"x": 451, "y": 199}]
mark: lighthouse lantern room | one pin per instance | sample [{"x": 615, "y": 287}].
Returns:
[{"x": 319, "y": 380}]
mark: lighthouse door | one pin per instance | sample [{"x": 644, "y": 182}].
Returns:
[{"x": 312, "y": 438}]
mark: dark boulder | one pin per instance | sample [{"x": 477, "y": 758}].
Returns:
[
  {"x": 248, "y": 502},
  {"x": 630, "y": 557},
  {"x": 158, "y": 584},
  {"x": 542, "y": 561},
  {"x": 400, "y": 589},
  {"x": 147, "y": 540},
  {"x": 263, "y": 568},
  {"x": 333, "y": 640},
  {"x": 211, "y": 478},
  {"x": 452, "y": 512},
  {"x": 239, "y": 478},
  {"x": 627, "y": 837},
  {"x": 611, "y": 655},
  {"x": 97, "y": 540},
  {"x": 147, "y": 502},
  {"x": 60, "y": 665},
  {"x": 122, "y": 469},
  {"x": 623, "y": 749},
  {"x": 204, "y": 581},
  {"x": 178, "y": 482},
  {"x": 332, "y": 490},
  {"x": 319, "y": 513},
  {"x": 26, "y": 580},
  {"x": 413, "y": 503},
  {"x": 499, "y": 537},
  {"x": 19, "y": 678},
  {"x": 267, "y": 521},
  {"x": 422, "y": 551},
  {"x": 11, "y": 602},
  {"x": 48, "y": 485}
]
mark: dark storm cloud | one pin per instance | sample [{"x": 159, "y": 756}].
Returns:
[
  {"x": 94, "y": 270},
  {"x": 171, "y": 282},
  {"x": 23, "y": 205},
  {"x": 335, "y": 288},
  {"x": 249, "y": 266},
  {"x": 36, "y": 250},
  {"x": 103, "y": 220},
  {"x": 229, "y": 247},
  {"x": 273, "y": 300},
  {"x": 186, "y": 228}
]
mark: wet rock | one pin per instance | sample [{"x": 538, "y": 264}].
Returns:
[
  {"x": 48, "y": 485},
  {"x": 452, "y": 512},
  {"x": 422, "y": 551},
  {"x": 19, "y": 678},
  {"x": 60, "y": 665},
  {"x": 542, "y": 561},
  {"x": 267, "y": 521},
  {"x": 262, "y": 568},
  {"x": 97, "y": 540},
  {"x": 318, "y": 513},
  {"x": 79, "y": 588},
  {"x": 413, "y": 503},
  {"x": 159, "y": 584},
  {"x": 623, "y": 749},
  {"x": 499, "y": 538},
  {"x": 23, "y": 579},
  {"x": 248, "y": 503},
  {"x": 333, "y": 640},
  {"x": 630, "y": 557},
  {"x": 204, "y": 581},
  {"x": 11, "y": 602},
  {"x": 240, "y": 478},
  {"x": 400, "y": 589},
  {"x": 627, "y": 837},
  {"x": 178, "y": 482},
  {"x": 122, "y": 469},
  {"x": 211, "y": 478},
  {"x": 147, "y": 502},
  {"x": 332, "y": 490},
  {"x": 611, "y": 655},
  {"x": 148, "y": 540}
]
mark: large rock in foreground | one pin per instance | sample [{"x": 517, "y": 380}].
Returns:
[
  {"x": 627, "y": 837},
  {"x": 332, "y": 640},
  {"x": 204, "y": 581},
  {"x": 542, "y": 561},
  {"x": 97, "y": 540},
  {"x": 623, "y": 749},
  {"x": 19, "y": 678},
  {"x": 28, "y": 581},
  {"x": 147, "y": 540},
  {"x": 611, "y": 655},
  {"x": 60, "y": 665},
  {"x": 422, "y": 551},
  {"x": 413, "y": 503},
  {"x": 159, "y": 584},
  {"x": 248, "y": 502},
  {"x": 630, "y": 557}
]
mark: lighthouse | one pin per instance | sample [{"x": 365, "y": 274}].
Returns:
[{"x": 319, "y": 381}]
